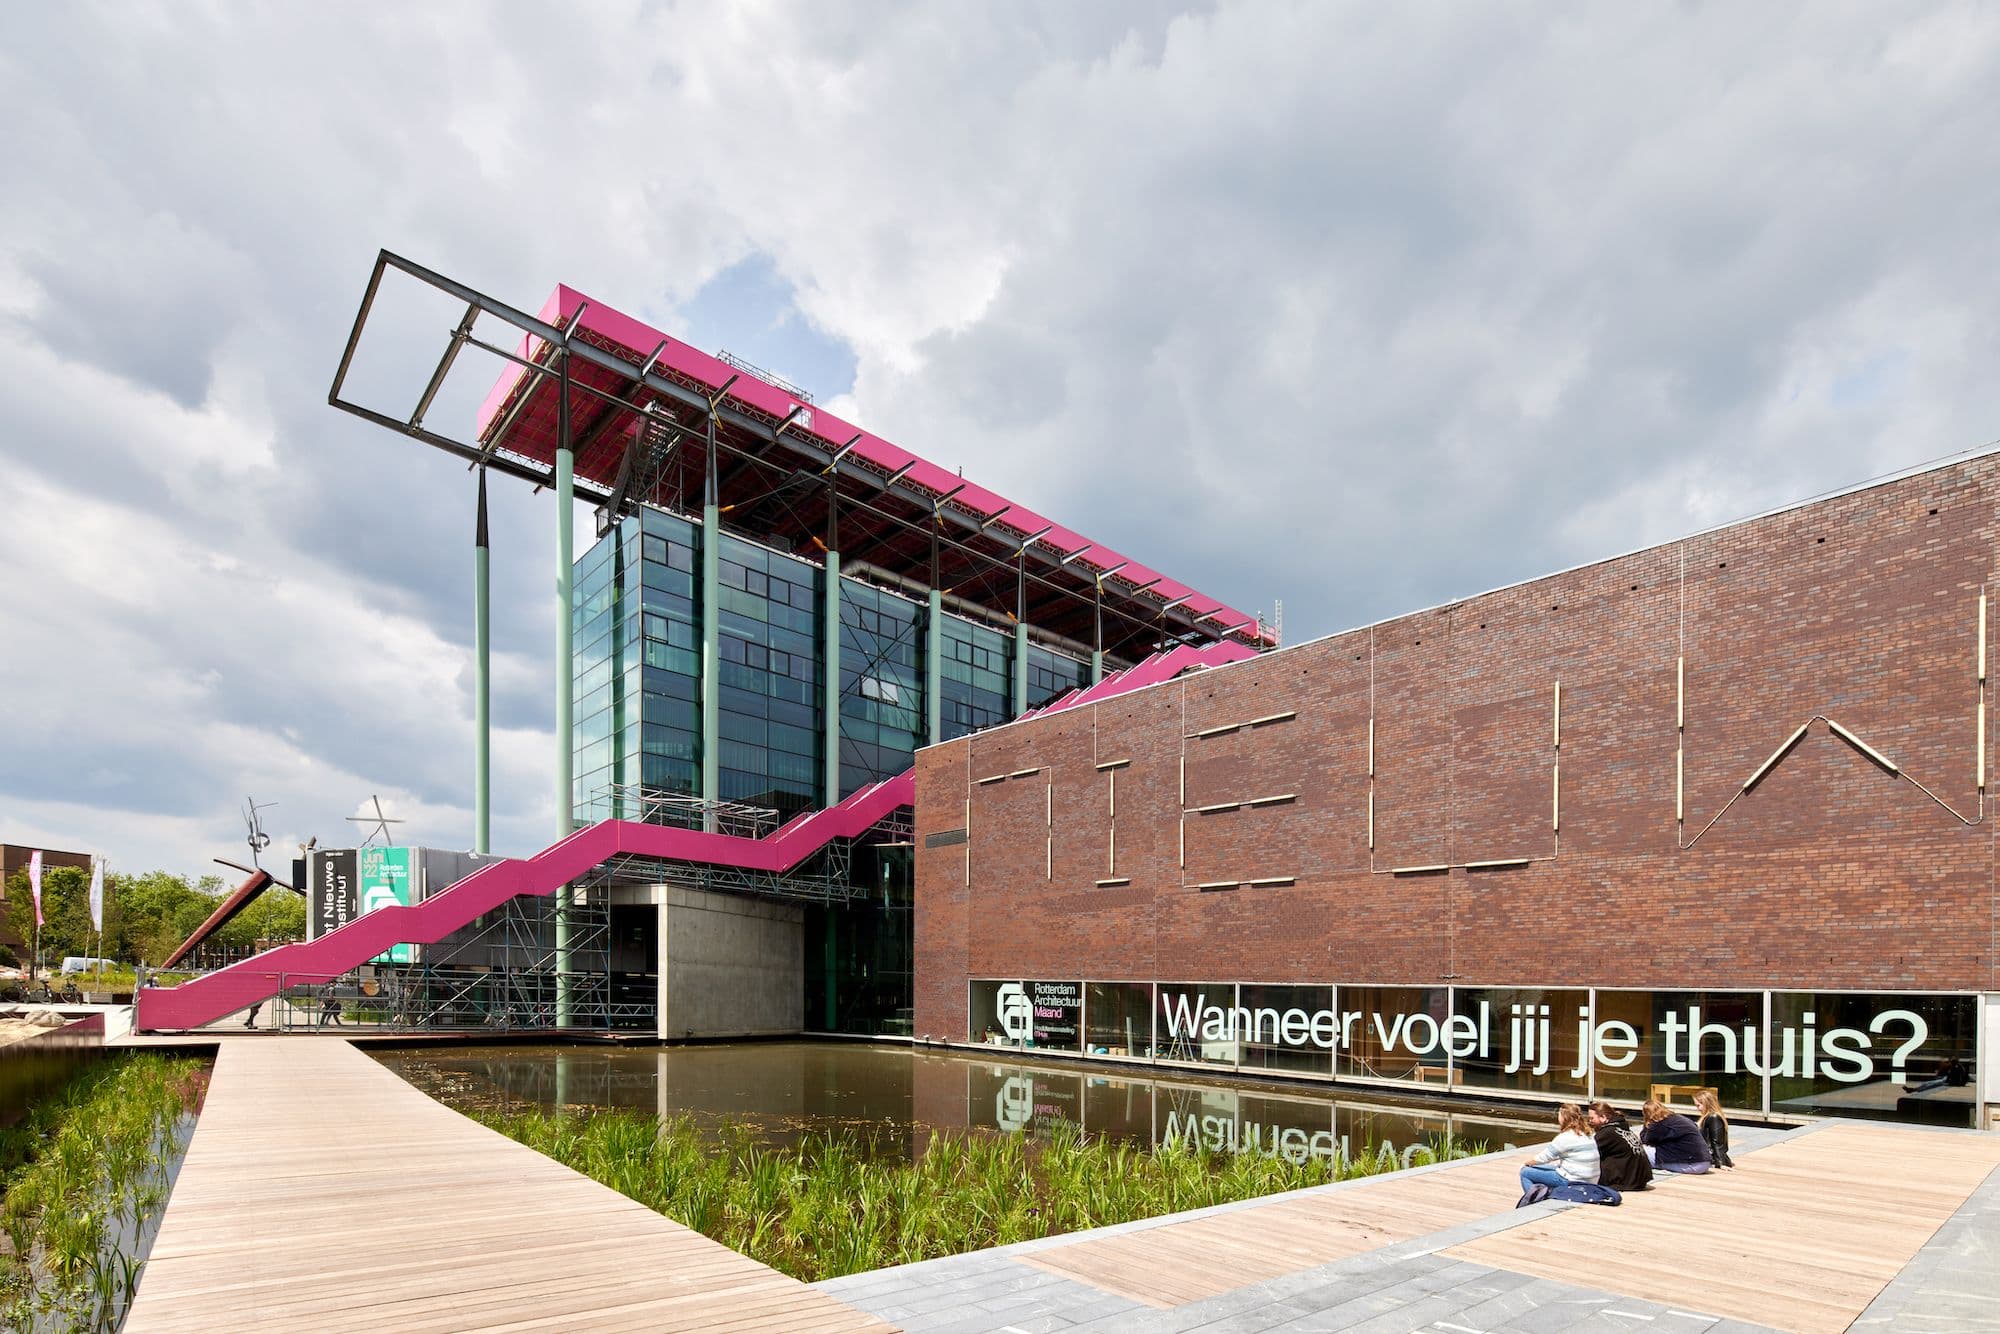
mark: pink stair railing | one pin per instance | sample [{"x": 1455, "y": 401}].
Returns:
[{"x": 312, "y": 963}]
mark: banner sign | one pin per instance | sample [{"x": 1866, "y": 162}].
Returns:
[
  {"x": 332, "y": 896},
  {"x": 1041, "y": 1014},
  {"x": 387, "y": 877},
  {"x": 1526, "y": 1038},
  {"x": 1901, "y": 1055}
]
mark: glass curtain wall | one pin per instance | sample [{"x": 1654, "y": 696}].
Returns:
[
  {"x": 638, "y": 672},
  {"x": 881, "y": 684},
  {"x": 605, "y": 626},
  {"x": 770, "y": 727},
  {"x": 1052, "y": 675},
  {"x": 1903, "y": 1056},
  {"x": 974, "y": 677}
]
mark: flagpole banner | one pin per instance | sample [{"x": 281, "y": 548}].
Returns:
[
  {"x": 35, "y": 884},
  {"x": 97, "y": 894}
]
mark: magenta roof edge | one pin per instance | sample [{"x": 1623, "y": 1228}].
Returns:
[{"x": 748, "y": 389}]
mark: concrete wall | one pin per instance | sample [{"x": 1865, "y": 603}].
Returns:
[
  {"x": 1072, "y": 845},
  {"x": 729, "y": 966}
]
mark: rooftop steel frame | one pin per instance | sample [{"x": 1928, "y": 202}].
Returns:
[{"x": 783, "y": 481}]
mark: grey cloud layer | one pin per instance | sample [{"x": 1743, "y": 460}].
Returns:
[{"x": 1361, "y": 306}]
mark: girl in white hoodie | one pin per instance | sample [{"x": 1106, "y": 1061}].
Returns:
[{"x": 1571, "y": 1156}]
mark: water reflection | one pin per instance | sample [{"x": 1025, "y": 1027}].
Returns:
[{"x": 894, "y": 1098}]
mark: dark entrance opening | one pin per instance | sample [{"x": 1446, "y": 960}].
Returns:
[
  {"x": 634, "y": 957},
  {"x": 860, "y": 956}
]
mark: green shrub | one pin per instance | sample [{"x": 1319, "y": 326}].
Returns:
[
  {"x": 84, "y": 1178},
  {"x": 828, "y": 1207}
]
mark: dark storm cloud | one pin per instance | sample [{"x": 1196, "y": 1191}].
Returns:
[{"x": 1363, "y": 307}]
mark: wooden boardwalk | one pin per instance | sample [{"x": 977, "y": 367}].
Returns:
[
  {"x": 1802, "y": 1236},
  {"x": 323, "y": 1192},
  {"x": 1214, "y": 1253}
]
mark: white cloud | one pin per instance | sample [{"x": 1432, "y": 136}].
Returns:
[{"x": 1363, "y": 307}]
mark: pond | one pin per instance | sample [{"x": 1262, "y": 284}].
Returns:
[{"x": 893, "y": 1097}]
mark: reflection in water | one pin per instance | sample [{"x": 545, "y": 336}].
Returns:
[{"x": 892, "y": 1098}]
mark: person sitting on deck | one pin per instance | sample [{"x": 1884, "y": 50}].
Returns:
[
  {"x": 1621, "y": 1160},
  {"x": 1714, "y": 1128},
  {"x": 1673, "y": 1142},
  {"x": 1571, "y": 1156}
]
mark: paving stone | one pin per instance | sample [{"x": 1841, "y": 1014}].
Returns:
[
  {"x": 1546, "y": 1316},
  {"x": 1420, "y": 1314}
]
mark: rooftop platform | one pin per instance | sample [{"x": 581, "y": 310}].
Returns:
[{"x": 647, "y": 415}]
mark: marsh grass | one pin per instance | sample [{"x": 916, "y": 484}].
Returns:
[
  {"x": 829, "y": 1207},
  {"x": 85, "y": 1177}
]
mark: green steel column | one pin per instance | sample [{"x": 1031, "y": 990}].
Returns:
[
  {"x": 711, "y": 658},
  {"x": 565, "y": 688},
  {"x": 832, "y": 967},
  {"x": 482, "y": 683},
  {"x": 934, "y": 670},
  {"x": 1096, "y": 665},
  {"x": 1020, "y": 700},
  {"x": 830, "y": 681}
]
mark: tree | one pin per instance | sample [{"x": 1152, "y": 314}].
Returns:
[{"x": 146, "y": 916}]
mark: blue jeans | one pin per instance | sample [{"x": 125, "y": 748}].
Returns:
[{"x": 1541, "y": 1176}]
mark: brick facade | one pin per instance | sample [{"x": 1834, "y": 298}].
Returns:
[{"x": 1830, "y": 873}]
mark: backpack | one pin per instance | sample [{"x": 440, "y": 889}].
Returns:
[
  {"x": 1535, "y": 1194},
  {"x": 1586, "y": 1192}
]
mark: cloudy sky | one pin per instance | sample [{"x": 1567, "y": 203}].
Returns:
[{"x": 1361, "y": 306}]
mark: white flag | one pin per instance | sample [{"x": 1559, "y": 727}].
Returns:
[
  {"x": 97, "y": 894},
  {"x": 35, "y": 883}
]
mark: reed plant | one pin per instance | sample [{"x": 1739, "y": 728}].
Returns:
[
  {"x": 85, "y": 1176},
  {"x": 829, "y": 1206}
]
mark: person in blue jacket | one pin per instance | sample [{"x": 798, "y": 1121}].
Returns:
[{"x": 1673, "y": 1142}]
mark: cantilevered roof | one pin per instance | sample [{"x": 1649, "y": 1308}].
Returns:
[{"x": 641, "y": 409}]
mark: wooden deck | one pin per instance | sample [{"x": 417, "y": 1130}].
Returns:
[
  {"x": 1176, "y": 1263},
  {"x": 1803, "y": 1235},
  {"x": 323, "y": 1192}
]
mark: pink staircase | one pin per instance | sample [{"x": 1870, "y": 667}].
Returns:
[{"x": 207, "y": 999}]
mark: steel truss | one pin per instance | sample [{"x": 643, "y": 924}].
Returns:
[
  {"x": 635, "y": 402},
  {"x": 498, "y": 974},
  {"x": 826, "y": 877}
]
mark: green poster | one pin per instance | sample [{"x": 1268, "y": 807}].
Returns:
[{"x": 386, "y": 878}]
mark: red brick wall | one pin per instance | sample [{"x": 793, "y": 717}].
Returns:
[{"x": 1830, "y": 873}]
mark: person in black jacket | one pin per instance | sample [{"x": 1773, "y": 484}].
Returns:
[
  {"x": 1621, "y": 1162},
  {"x": 1674, "y": 1143},
  {"x": 1714, "y": 1128}
]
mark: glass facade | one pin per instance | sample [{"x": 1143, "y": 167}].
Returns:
[
  {"x": 1886, "y": 1056},
  {"x": 1052, "y": 675},
  {"x": 769, "y": 651},
  {"x": 860, "y": 966},
  {"x": 638, "y": 682},
  {"x": 606, "y": 687},
  {"x": 974, "y": 677},
  {"x": 881, "y": 684},
  {"x": 638, "y": 663}
]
